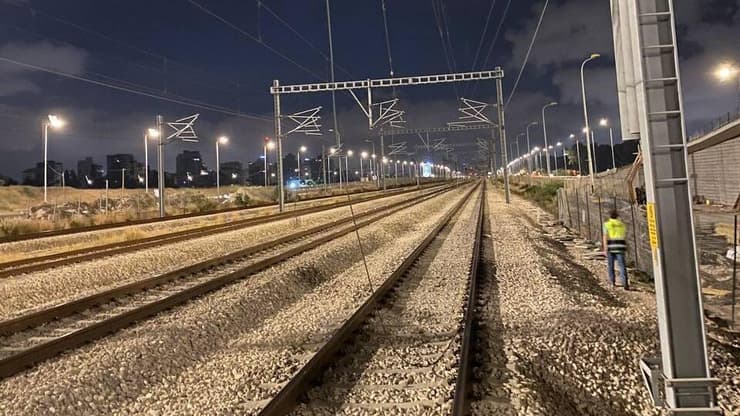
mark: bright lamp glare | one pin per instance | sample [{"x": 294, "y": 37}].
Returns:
[
  {"x": 603, "y": 122},
  {"x": 223, "y": 139},
  {"x": 302, "y": 149},
  {"x": 726, "y": 72},
  {"x": 55, "y": 121},
  {"x": 153, "y": 133}
]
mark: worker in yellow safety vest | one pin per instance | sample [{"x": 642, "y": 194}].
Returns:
[{"x": 615, "y": 246}]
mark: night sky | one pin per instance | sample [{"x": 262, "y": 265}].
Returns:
[{"x": 176, "y": 50}]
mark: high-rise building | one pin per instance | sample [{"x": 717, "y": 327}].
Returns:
[
  {"x": 122, "y": 162},
  {"x": 35, "y": 176},
  {"x": 232, "y": 173},
  {"x": 190, "y": 170},
  {"x": 89, "y": 173}
]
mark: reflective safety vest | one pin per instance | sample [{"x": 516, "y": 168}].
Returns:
[{"x": 615, "y": 234}]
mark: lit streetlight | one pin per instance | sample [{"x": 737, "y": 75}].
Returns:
[
  {"x": 150, "y": 134},
  {"x": 529, "y": 146},
  {"x": 221, "y": 140},
  {"x": 565, "y": 165},
  {"x": 346, "y": 163},
  {"x": 269, "y": 144},
  {"x": 585, "y": 118},
  {"x": 544, "y": 133},
  {"x": 363, "y": 155},
  {"x": 604, "y": 123},
  {"x": 301, "y": 149},
  {"x": 55, "y": 122}
]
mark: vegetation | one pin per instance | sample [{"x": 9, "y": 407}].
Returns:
[{"x": 544, "y": 194}]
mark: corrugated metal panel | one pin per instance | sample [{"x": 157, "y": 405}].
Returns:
[{"x": 717, "y": 172}]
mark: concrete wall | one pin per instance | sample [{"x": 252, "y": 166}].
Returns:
[{"x": 715, "y": 172}]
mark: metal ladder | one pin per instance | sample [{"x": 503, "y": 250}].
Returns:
[{"x": 680, "y": 380}]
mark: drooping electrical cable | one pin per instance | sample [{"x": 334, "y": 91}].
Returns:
[
  {"x": 190, "y": 103},
  {"x": 493, "y": 42},
  {"x": 526, "y": 57},
  {"x": 254, "y": 38},
  {"x": 480, "y": 42},
  {"x": 285, "y": 23},
  {"x": 438, "y": 18},
  {"x": 387, "y": 38}
]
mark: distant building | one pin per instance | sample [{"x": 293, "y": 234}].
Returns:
[
  {"x": 35, "y": 176},
  {"x": 89, "y": 174},
  {"x": 123, "y": 162},
  {"x": 190, "y": 170},
  {"x": 232, "y": 173}
]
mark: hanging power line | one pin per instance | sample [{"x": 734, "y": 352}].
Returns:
[
  {"x": 261, "y": 5},
  {"x": 387, "y": 38},
  {"x": 190, "y": 102},
  {"x": 529, "y": 50},
  {"x": 37, "y": 12},
  {"x": 496, "y": 35},
  {"x": 438, "y": 20},
  {"x": 252, "y": 37},
  {"x": 483, "y": 35},
  {"x": 443, "y": 13}
]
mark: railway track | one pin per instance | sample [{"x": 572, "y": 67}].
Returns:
[
  {"x": 31, "y": 338},
  {"x": 101, "y": 227},
  {"x": 34, "y": 264},
  {"x": 407, "y": 349}
]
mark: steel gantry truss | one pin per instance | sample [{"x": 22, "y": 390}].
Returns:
[{"x": 388, "y": 113}]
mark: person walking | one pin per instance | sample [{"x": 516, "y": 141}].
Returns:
[{"x": 615, "y": 246}]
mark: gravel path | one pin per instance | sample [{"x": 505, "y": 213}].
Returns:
[
  {"x": 225, "y": 352},
  {"x": 567, "y": 343},
  {"x": 35, "y": 290},
  {"x": 405, "y": 359}
]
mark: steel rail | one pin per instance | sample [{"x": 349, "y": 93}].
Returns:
[
  {"x": 286, "y": 399},
  {"x": 26, "y": 358},
  {"x": 24, "y": 266},
  {"x": 101, "y": 227}
]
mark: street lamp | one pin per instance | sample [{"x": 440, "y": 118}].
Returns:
[
  {"x": 529, "y": 148},
  {"x": 544, "y": 133},
  {"x": 269, "y": 144},
  {"x": 150, "y": 134},
  {"x": 363, "y": 155},
  {"x": 221, "y": 140},
  {"x": 565, "y": 165},
  {"x": 346, "y": 163},
  {"x": 300, "y": 149},
  {"x": 604, "y": 123},
  {"x": 55, "y": 122},
  {"x": 585, "y": 118}
]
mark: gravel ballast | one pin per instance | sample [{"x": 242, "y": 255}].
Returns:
[
  {"x": 227, "y": 352},
  {"x": 404, "y": 360},
  {"x": 28, "y": 292},
  {"x": 568, "y": 344}
]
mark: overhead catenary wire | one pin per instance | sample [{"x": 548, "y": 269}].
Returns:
[
  {"x": 482, "y": 40},
  {"x": 254, "y": 38},
  {"x": 493, "y": 42},
  {"x": 195, "y": 104},
  {"x": 438, "y": 19},
  {"x": 35, "y": 11},
  {"x": 261, "y": 5},
  {"x": 387, "y": 38},
  {"x": 529, "y": 50}
]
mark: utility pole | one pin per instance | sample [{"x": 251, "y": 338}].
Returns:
[
  {"x": 333, "y": 92},
  {"x": 160, "y": 166},
  {"x": 502, "y": 134}
]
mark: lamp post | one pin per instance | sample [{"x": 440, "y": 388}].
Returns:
[
  {"x": 363, "y": 155},
  {"x": 300, "y": 149},
  {"x": 544, "y": 133},
  {"x": 516, "y": 139},
  {"x": 346, "y": 164},
  {"x": 221, "y": 140},
  {"x": 585, "y": 118},
  {"x": 604, "y": 123},
  {"x": 268, "y": 145},
  {"x": 150, "y": 134},
  {"x": 565, "y": 165},
  {"x": 529, "y": 148},
  {"x": 55, "y": 122}
]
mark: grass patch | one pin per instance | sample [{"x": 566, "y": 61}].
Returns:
[{"x": 544, "y": 195}]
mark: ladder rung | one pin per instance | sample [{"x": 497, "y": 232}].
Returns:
[
  {"x": 673, "y": 180},
  {"x": 669, "y": 146},
  {"x": 666, "y": 46},
  {"x": 664, "y": 113},
  {"x": 669, "y": 79},
  {"x": 654, "y": 14}
]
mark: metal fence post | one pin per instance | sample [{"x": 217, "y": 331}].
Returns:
[
  {"x": 601, "y": 221},
  {"x": 588, "y": 214},
  {"x": 634, "y": 235},
  {"x": 578, "y": 211},
  {"x": 734, "y": 272}
]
